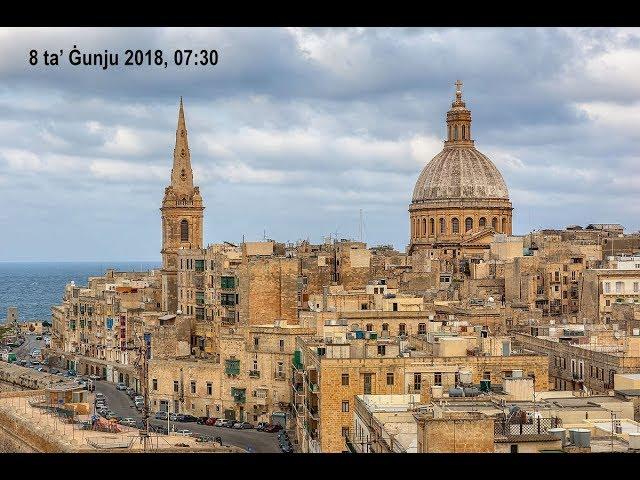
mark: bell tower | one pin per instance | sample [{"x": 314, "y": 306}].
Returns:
[{"x": 182, "y": 213}]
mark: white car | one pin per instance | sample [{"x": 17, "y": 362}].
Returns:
[
  {"x": 219, "y": 422},
  {"x": 129, "y": 422},
  {"x": 184, "y": 433}
]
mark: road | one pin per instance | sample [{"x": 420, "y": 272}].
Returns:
[
  {"x": 23, "y": 352},
  {"x": 252, "y": 440}
]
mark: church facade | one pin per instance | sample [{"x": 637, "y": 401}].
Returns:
[{"x": 460, "y": 199}]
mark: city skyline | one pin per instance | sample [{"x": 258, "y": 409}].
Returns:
[{"x": 322, "y": 135}]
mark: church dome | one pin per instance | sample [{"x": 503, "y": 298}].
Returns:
[{"x": 459, "y": 171}]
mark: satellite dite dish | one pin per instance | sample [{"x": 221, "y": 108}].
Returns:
[{"x": 616, "y": 334}]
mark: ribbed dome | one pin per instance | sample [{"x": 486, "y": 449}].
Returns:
[{"x": 460, "y": 172}]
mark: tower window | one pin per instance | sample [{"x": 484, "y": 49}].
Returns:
[
  {"x": 432, "y": 226},
  {"x": 504, "y": 225},
  {"x": 455, "y": 132},
  {"x": 482, "y": 222},
  {"x": 442, "y": 225},
  {"x": 463, "y": 132},
  {"x": 468, "y": 224},
  {"x": 424, "y": 227},
  {"x": 455, "y": 225},
  {"x": 494, "y": 223},
  {"x": 184, "y": 231}
]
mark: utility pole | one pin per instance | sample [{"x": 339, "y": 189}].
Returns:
[{"x": 143, "y": 373}]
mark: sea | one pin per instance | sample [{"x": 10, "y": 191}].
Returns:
[{"x": 34, "y": 287}]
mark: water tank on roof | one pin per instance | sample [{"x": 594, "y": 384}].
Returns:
[
  {"x": 581, "y": 437},
  {"x": 471, "y": 392},
  {"x": 634, "y": 440},
  {"x": 560, "y": 433},
  {"x": 516, "y": 373},
  {"x": 436, "y": 391},
  {"x": 456, "y": 392},
  {"x": 465, "y": 377}
]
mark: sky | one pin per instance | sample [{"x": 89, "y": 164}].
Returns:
[{"x": 296, "y": 130}]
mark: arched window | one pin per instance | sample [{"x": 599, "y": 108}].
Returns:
[
  {"x": 455, "y": 132},
  {"x": 432, "y": 226},
  {"x": 369, "y": 327},
  {"x": 402, "y": 329},
  {"x": 463, "y": 132},
  {"x": 455, "y": 225},
  {"x": 468, "y": 224},
  {"x": 482, "y": 222},
  {"x": 385, "y": 327},
  {"x": 184, "y": 231},
  {"x": 494, "y": 223},
  {"x": 422, "y": 328},
  {"x": 450, "y": 133},
  {"x": 442, "y": 226},
  {"x": 424, "y": 227},
  {"x": 504, "y": 225}
]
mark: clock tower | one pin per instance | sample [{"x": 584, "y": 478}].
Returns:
[{"x": 182, "y": 214}]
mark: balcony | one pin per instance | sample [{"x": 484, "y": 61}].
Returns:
[
  {"x": 254, "y": 373},
  {"x": 239, "y": 395},
  {"x": 232, "y": 367},
  {"x": 280, "y": 376},
  {"x": 261, "y": 396}
]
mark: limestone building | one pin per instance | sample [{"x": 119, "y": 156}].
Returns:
[
  {"x": 182, "y": 213},
  {"x": 460, "y": 199}
]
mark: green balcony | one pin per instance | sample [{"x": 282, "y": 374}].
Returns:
[
  {"x": 232, "y": 367},
  {"x": 239, "y": 395}
]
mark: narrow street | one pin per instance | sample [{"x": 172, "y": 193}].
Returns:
[{"x": 252, "y": 440}]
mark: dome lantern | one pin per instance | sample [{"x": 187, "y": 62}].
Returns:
[{"x": 458, "y": 121}]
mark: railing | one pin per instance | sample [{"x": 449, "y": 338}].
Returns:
[
  {"x": 280, "y": 376},
  {"x": 254, "y": 373},
  {"x": 515, "y": 427}
]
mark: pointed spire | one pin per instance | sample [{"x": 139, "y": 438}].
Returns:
[{"x": 181, "y": 173}]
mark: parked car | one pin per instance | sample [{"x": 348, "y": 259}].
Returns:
[
  {"x": 184, "y": 432},
  {"x": 138, "y": 398},
  {"x": 121, "y": 386},
  {"x": 272, "y": 428},
  {"x": 129, "y": 422},
  {"x": 94, "y": 377},
  {"x": 188, "y": 418},
  {"x": 160, "y": 416},
  {"x": 39, "y": 369},
  {"x": 287, "y": 448},
  {"x": 211, "y": 421},
  {"x": 54, "y": 370},
  {"x": 220, "y": 422},
  {"x": 243, "y": 426},
  {"x": 202, "y": 420},
  {"x": 261, "y": 426},
  {"x": 173, "y": 417}
]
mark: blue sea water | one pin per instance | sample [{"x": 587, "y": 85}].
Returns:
[{"x": 34, "y": 287}]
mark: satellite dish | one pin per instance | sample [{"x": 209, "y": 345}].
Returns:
[
  {"x": 179, "y": 312},
  {"x": 616, "y": 334}
]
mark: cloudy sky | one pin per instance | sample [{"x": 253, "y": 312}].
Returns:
[{"x": 296, "y": 130}]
